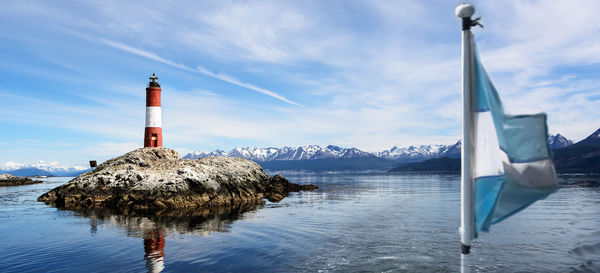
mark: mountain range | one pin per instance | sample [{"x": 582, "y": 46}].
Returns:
[
  {"x": 41, "y": 168},
  {"x": 334, "y": 158},
  {"x": 310, "y": 152},
  {"x": 315, "y": 152},
  {"x": 311, "y": 157},
  {"x": 568, "y": 157},
  {"x": 581, "y": 157},
  {"x": 421, "y": 153}
]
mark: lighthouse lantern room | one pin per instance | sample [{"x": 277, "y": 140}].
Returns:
[{"x": 153, "y": 132}]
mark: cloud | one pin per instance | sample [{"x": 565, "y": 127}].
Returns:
[
  {"x": 394, "y": 74},
  {"x": 368, "y": 74},
  {"x": 145, "y": 54},
  {"x": 232, "y": 80},
  {"x": 201, "y": 70}
]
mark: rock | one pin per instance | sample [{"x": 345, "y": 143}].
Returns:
[
  {"x": 11, "y": 180},
  {"x": 158, "y": 179},
  {"x": 280, "y": 187}
]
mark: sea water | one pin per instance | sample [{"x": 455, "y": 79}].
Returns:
[{"x": 374, "y": 222}]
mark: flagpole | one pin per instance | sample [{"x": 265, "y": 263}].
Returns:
[
  {"x": 465, "y": 263},
  {"x": 467, "y": 215}
]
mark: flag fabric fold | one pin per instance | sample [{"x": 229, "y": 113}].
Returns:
[{"x": 512, "y": 162}]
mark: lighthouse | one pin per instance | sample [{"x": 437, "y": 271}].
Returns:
[{"x": 153, "y": 132}]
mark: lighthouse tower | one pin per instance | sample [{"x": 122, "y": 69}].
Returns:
[{"x": 153, "y": 132}]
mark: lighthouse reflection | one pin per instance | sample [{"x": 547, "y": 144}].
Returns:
[
  {"x": 154, "y": 228},
  {"x": 154, "y": 246}
]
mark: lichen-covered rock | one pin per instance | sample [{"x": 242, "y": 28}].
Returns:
[
  {"x": 158, "y": 179},
  {"x": 11, "y": 180}
]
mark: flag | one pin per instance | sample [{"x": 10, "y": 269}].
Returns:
[{"x": 512, "y": 162}]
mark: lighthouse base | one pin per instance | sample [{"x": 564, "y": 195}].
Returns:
[{"x": 153, "y": 137}]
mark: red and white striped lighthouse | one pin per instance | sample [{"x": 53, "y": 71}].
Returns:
[{"x": 153, "y": 132}]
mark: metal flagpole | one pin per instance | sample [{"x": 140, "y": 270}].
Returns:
[
  {"x": 467, "y": 215},
  {"x": 465, "y": 263}
]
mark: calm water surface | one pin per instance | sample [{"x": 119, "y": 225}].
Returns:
[{"x": 353, "y": 223}]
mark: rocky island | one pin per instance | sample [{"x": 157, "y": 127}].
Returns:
[
  {"x": 11, "y": 180},
  {"x": 159, "y": 179}
]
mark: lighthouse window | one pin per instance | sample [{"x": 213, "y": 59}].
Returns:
[{"x": 153, "y": 136}]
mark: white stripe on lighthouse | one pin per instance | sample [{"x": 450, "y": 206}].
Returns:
[{"x": 153, "y": 118}]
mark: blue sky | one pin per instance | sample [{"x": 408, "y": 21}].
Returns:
[{"x": 366, "y": 74}]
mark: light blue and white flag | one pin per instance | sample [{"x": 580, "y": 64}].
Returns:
[{"x": 512, "y": 164}]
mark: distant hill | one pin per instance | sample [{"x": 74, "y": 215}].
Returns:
[
  {"x": 330, "y": 164},
  {"x": 41, "y": 168},
  {"x": 442, "y": 164},
  {"x": 583, "y": 156},
  {"x": 29, "y": 172}
]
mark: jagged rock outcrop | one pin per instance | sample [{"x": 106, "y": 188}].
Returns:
[
  {"x": 11, "y": 180},
  {"x": 158, "y": 179}
]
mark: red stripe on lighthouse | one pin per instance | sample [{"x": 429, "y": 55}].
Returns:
[
  {"x": 153, "y": 137},
  {"x": 153, "y": 131},
  {"x": 153, "y": 96}
]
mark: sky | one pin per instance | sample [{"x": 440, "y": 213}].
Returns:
[{"x": 365, "y": 74}]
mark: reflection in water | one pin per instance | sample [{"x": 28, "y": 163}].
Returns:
[
  {"x": 154, "y": 246},
  {"x": 153, "y": 227},
  {"x": 93, "y": 225},
  {"x": 353, "y": 223},
  {"x": 465, "y": 263}
]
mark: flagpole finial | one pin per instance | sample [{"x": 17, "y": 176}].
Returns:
[{"x": 464, "y": 10}]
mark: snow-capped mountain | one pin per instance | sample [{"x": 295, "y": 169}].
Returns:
[
  {"x": 280, "y": 158},
  {"x": 312, "y": 152},
  {"x": 309, "y": 152},
  {"x": 41, "y": 168},
  {"x": 558, "y": 141},
  {"x": 203, "y": 154},
  {"x": 396, "y": 153},
  {"x": 421, "y": 153}
]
